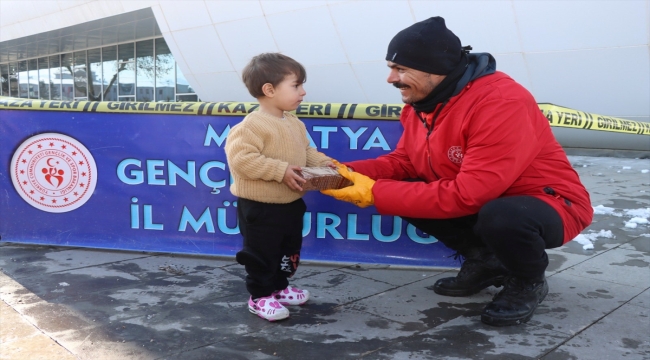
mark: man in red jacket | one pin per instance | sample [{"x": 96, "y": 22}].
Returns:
[{"x": 477, "y": 167}]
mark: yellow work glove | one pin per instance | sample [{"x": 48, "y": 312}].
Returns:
[{"x": 359, "y": 194}]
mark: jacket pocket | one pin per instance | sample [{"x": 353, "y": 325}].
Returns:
[
  {"x": 570, "y": 208},
  {"x": 549, "y": 190}
]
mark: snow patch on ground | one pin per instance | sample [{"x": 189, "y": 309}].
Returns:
[{"x": 636, "y": 217}]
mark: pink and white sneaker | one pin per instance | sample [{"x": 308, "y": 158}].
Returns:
[
  {"x": 268, "y": 308},
  {"x": 291, "y": 296}
]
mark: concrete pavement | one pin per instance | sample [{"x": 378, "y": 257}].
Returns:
[{"x": 74, "y": 303}]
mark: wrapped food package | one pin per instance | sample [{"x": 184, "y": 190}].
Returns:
[{"x": 322, "y": 178}]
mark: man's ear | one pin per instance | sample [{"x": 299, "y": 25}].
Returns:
[{"x": 268, "y": 90}]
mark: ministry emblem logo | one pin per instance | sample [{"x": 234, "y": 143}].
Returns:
[{"x": 53, "y": 172}]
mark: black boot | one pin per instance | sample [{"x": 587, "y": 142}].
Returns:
[
  {"x": 516, "y": 303},
  {"x": 480, "y": 270}
]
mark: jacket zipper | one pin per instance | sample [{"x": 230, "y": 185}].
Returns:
[{"x": 429, "y": 131}]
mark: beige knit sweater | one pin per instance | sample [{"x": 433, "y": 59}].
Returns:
[{"x": 260, "y": 148}]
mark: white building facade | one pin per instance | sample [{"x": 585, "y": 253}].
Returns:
[{"x": 592, "y": 56}]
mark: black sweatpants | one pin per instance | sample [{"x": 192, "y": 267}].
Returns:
[
  {"x": 517, "y": 229},
  {"x": 272, "y": 242}
]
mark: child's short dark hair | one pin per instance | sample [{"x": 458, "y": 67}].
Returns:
[{"x": 270, "y": 68}]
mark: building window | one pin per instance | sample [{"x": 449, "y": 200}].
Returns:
[
  {"x": 94, "y": 75},
  {"x": 109, "y": 73},
  {"x": 132, "y": 71},
  {"x": 23, "y": 80},
  {"x": 80, "y": 75},
  {"x": 4, "y": 80},
  {"x": 32, "y": 78},
  {"x": 55, "y": 77},
  {"x": 126, "y": 71},
  {"x": 43, "y": 78},
  {"x": 165, "y": 72},
  {"x": 145, "y": 69},
  {"x": 67, "y": 78}
]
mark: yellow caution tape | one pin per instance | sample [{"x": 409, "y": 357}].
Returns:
[
  {"x": 565, "y": 117},
  {"x": 315, "y": 110},
  {"x": 557, "y": 116}
]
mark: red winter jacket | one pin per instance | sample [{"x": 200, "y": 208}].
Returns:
[{"x": 489, "y": 141}]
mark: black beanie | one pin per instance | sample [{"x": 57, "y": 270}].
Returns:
[{"x": 426, "y": 46}]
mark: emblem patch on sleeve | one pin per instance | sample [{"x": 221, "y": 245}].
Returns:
[{"x": 455, "y": 154}]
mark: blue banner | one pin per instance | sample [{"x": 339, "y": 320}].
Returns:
[{"x": 160, "y": 182}]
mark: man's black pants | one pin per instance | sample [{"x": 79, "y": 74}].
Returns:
[
  {"x": 517, "y": 229},
  {"x": 272, "y": 242}
]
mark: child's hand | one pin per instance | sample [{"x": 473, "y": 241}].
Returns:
[
  {"x": 293, "y": 180},
  {"x": 333, "y": 164}
]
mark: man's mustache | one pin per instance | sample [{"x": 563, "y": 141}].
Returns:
[{"x": 399, "y": 85}]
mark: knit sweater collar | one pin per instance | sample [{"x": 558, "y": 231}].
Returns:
[{"x": 270, "y": 116}]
